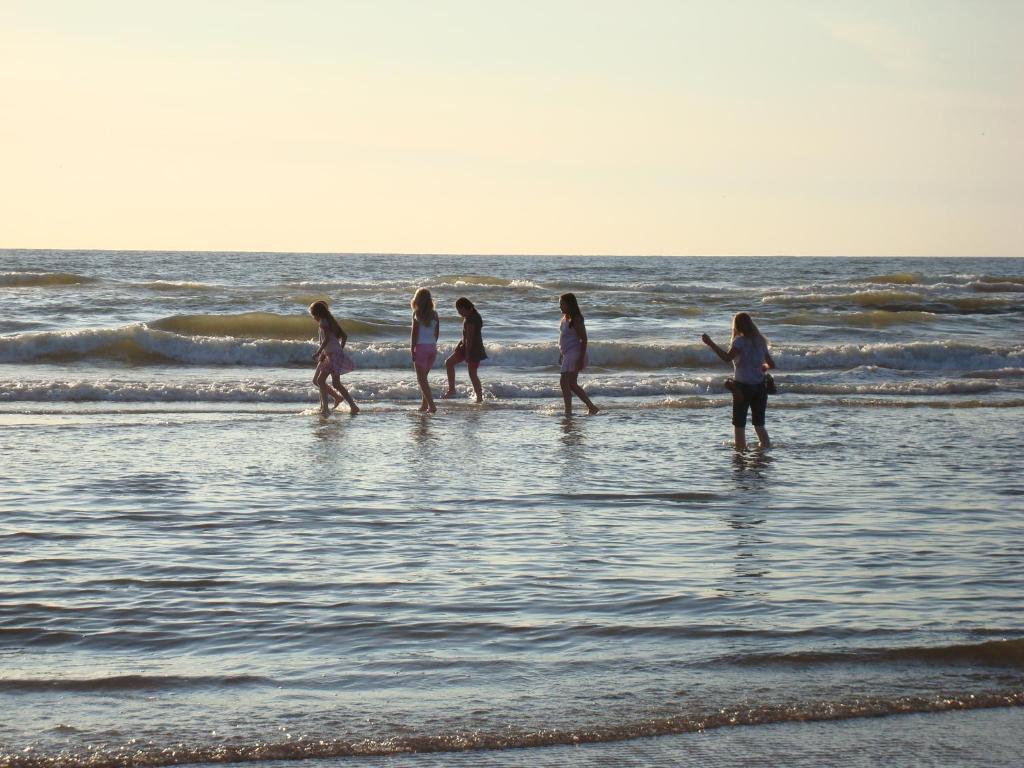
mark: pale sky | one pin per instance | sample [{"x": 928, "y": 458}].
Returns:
[{"x": 758, "y": 127}]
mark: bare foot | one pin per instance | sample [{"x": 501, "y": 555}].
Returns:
[
  {"x": 337, "y": 402},
  {"x": 479, "y": 399},
  {"x": 324, "y": 413},
  {"x": 593, "y": 410},
  {"x": 432, "y": 408},
  {"x": 568, "y": 413},
  {"x": 449, "y": 393},
  {"x": 422, "y": 408},
  {"x": 353, "y": 409}
]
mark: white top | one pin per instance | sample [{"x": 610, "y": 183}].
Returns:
[
  {"x": 568, "y": 339},
  {"x": 425, "y": 335},
  {"x": 747, "y": 364}
]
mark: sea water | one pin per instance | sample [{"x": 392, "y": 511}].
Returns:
[{"x": 196, "y": 567}]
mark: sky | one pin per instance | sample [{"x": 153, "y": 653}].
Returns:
[{"x": 820, "y": 127}]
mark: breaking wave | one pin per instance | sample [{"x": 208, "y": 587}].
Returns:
[
  {"x": 143, "y": 345},
  {"x": 894, "y": 301},
  {"x": 183, "y": 286},
  {"x": 897, "y": 278},
  {"x": 1003, "y": 285},
  {"x": 265, "y": 325},
  {"x": 876, "y": 318},
  {"x": 696, "y": 391},
  {"x": 42, "y": 279},
  {"x": 480, "y": 281}
]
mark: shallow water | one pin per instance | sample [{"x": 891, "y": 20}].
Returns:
[{"x": 195, "y": 567}]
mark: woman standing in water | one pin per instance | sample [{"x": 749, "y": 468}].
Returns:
[
  {"x": 750, "y": 358},
  {"x": 572, "y": 348},
  {"x": 470, "y": 350},
  {"x": 426, "y": 327}
]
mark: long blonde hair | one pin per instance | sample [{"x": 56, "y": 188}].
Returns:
[
  {"x": 423, "y": 306},
  {"x": 742, "y": 325}
]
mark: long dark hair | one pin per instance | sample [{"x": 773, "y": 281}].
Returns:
[
  {"x": 573, "y": 306},
  {"x": 320, "y": 311},
  {"x": 463, "y": 303}
]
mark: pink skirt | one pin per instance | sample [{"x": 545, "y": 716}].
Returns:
[
  {"x": 424, "y": 355},
  {"x": 570, "y": 361},
  {"x": 338, "y": 363}
]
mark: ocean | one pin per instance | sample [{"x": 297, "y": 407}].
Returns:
[{"x": 195, "y": 567}]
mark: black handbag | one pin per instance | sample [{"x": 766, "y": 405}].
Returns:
[{"x": 769, "y": 384}]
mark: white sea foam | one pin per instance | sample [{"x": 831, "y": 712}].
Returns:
[
  {"x": 370, "y": 387},
  {"x": 914, "y": 356},
  {"x": 140, "y": 345}
]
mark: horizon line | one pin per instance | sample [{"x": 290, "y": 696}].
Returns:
[{"x": 507, "y": 254}]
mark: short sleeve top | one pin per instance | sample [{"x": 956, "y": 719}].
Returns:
[{"x": 747, "y": 364}]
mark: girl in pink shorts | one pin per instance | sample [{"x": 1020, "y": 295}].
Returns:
[{"x": 426, "y": 327}]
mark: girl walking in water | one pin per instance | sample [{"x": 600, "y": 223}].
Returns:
[
  {"x": 331, "y": 360},
  {"x": 470, "y": 350},
  {"x": 750, "y": 358},
  {"x": 426, "y": 327},
  {"x": 572, "y": 348}
]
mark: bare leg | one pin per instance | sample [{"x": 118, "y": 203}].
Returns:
[
  {"x": 450, "y": 365},
  {"x": 419, "y": 382},
  {"x": 762, "y": 436},
  {"x": 336, "y": 383},
  {"x": 581, "y": 393},
  {"x": 320, "y": 382},
  {"x": 352, "y": 407},
  {"x": 566, "y": 382},
  {"x": 741, "y": 438},
  {"x": 428, "y": 398},
  {"x": 474, "y": 378}
]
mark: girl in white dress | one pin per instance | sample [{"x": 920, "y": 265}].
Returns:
[{"x": 572, "y": 349}]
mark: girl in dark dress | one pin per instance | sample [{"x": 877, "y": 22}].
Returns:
[{"x": 470, "y": 350}]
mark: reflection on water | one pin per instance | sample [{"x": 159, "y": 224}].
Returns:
[
  {"x": 328, "y": 431},
  {"x": 750, "y": 562},
  {"x": 472, "y": 424},
  {"x": 750, "y": 469},
  {"x": 572, "y": 436},
  {"x": 458, "y": 573},
  {"x": 423, "y": 429},
  {"x": 750, "y": 475}
]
